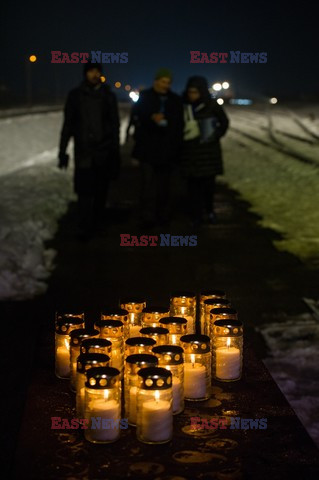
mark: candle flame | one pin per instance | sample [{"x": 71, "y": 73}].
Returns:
[
  {"x": 106, "y": 394},
  {"x": 228, "y": 342},
  {"x": 157, "y": 395},
  {"x": 193, "y": 358}
]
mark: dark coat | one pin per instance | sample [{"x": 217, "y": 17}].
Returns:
[
  {"x": 91, "y": 118},
  {"x": 204, "y": 158},
  {"x": 156, "y": 145}
]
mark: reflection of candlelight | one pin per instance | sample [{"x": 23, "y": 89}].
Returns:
[
  {"x": 228, "y": 342},
  {"x": 157, "y": 395},
  {"x": 193, "y": 360},
  {"x": 106, "y": 394}
]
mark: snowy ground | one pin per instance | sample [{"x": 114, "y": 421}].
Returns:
[
  {"x": 294, "y": 364},
  {"x": 282, "y": 189}
]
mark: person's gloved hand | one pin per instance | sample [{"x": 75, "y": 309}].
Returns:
[{"x": 63, "y": 160}]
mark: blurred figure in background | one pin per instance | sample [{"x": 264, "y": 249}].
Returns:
[
  {"x": 205, "y": 122},
  {"x": 91, "y": 118},
  {"x": 158, "y": 136}
]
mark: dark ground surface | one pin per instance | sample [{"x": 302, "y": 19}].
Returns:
[{"x": 235, "y": 255}]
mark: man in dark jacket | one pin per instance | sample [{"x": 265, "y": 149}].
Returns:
[
  {"x": 158, "y": 136},
  {"x": 91, "y": 118}
]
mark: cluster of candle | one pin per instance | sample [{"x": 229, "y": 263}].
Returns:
[{"x": 155, "y": 354}]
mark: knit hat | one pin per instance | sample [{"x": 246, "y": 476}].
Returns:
[
  {"x": 163, "y": 72},
  {"x": 90, "y": 65},
  {"x": 202, "y": 86}
]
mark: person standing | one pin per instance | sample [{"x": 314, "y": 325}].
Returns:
[
  {"x": 91, "y": 118},
  {"x": 205, "y": 123},
  {"x": 158, "y": 141}
]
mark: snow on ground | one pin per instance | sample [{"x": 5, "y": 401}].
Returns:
[
  {"x": 34, "y": 194},
  {"x": 283, "y": 190},
  {"x": 294, "y": 364}
]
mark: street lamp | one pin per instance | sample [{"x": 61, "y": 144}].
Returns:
[
  {"x": 31, "y": 59},
  {"x": 225, "y": 85},
  {"x": 273, "y": 100},
  {"x": 217, "y": 87}
]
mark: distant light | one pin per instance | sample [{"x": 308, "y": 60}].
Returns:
[
  {"x": 217, "y": 87},
  {"x": 220, "y": 101},
  {"x": 225, "y": 85},
  {"x": 273, "y": 100},
  {"x": 127, "y": 88},
  {"x": 240, "y": 101},
  {"x": 103, "y": 79},
  {"x": 134, "y": 96},
  {"x": 32, "y": 58},
  {"x": 117, "y": 84}
]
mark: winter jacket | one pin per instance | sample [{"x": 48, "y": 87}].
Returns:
[
  {"x": 202, "y": 157},
  {"x": 91, "y": 118},
  {"x": 158, "y": 145}
]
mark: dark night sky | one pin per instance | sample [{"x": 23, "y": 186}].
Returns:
[{"x": 162, "y": 34}]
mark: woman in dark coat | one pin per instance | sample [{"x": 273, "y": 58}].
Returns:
[{"x": 205, "y": 123}]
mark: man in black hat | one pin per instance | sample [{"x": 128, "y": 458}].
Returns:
[
  {"x": 91, "y": 118},
  {"x": 159, "y": 134}
]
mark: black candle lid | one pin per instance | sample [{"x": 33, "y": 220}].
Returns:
[
  {"x": 88, "y": 360},
  {"x": 155, "y": 378},
  {"x": 109, "y": 323},
  {"x": 155, "y": 309},
  {"x": 154, "y": 331},
  {"x": 183, "y": 294},
  {"x": 173, "y": 320},
  {"x": 95, "y": 343},
  {"x": 195, "y": 343},
  {"x": 101, "y": 377},
  {"x": 211, "y": 292},
  {"x": 228, "y": 327},
  {"x": 223, "y": 311},
  {"x": 64, "y": 323},
  {"x": 142, "y": 359},
  {"x": 140, "y": 341},
  {"x": 173, "y": 353},
  {"x": 116, "y": 311},
  {"x": 76, "y": 336},
  {"x": 217, "y": 301}
]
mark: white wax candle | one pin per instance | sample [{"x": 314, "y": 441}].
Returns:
[
  {"x": 63, "y": 362},
  {"x": 157, "y": 421},
  {"x": 106, "y": 409},
  {"x": 132, "y": 406},
  {"x": 117, "y": 360},
  {"x": 135, "y": 330},
  {"x": 177, "y": 394},
  {"x": 80, "y": 402},
  {"x": 194, "y": 380},
  {"x": 227, "y": 363}
]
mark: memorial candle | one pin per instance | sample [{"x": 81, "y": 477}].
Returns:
[
  {"x": 194, "y": 380},
  {"x": 197, "y": 367},
  {"x": 227, "y": 349},
  {"x": 102, "y": 405},
  {"x": 154, "y": 420}
]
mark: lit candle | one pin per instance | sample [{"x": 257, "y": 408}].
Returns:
[
  {"x": 157, "y": 420},
  {"x": 194, "y": 379},
  {"x": 63, "y": 360},
  {"x": 228, "y": 362},
  {"x": 132, "y": 407},
  {"x": 177, "y": 394},
  {"x": 107, "y": 410},
  {"x": 135, "y": 330}
]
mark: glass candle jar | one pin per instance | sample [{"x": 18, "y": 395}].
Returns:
[
  {"x": 183, "y": 304},
  {"x": 64, "y": 325},
  {"x": 134, "y": 306},
  {"x": 159, "y": 334},
  {"x": 113, "y": 330},
  {"x": 96, "y": 345},
  {"x": 133, "y": 365},
  {"x": 176, "y": 326},
  {"x": 151, "y": 315},
  {"x": 171, "y": 358},
  {"x": 117, "y": 314},
  {"x": 84, "y": 362},
  {"x": 76, "y": 337},
  {"x": 102, "y": 405},
  {"x": 220, "y": 313},
  {"x": 211, "y": 304},
  {"x": 205, "y": 295},
  {"x": 136, "y": 345},
  {"x": 227, "y": 350},
  {"x": 197, "y": 367},
  {"x": 154, "y": 421}
]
